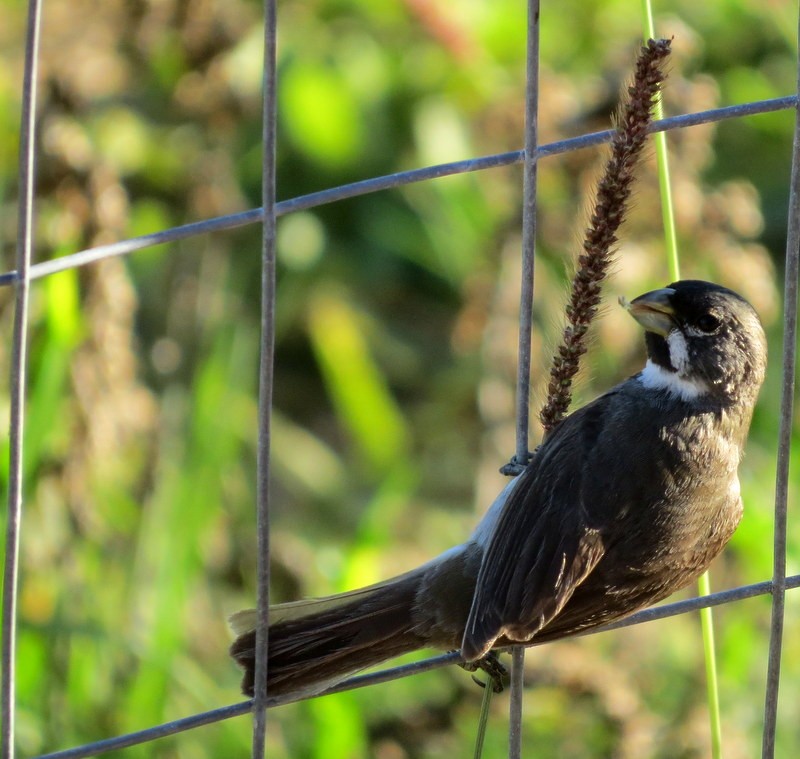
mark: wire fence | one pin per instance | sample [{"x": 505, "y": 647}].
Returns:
[{"x": 25, "y": 273}]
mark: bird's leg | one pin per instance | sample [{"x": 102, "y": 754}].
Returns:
[{"x": 495, "y": 670}]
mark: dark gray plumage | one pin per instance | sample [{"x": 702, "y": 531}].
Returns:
[{"x": 627, "y": 500}]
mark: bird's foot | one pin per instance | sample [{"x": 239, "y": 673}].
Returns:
[{"x": 494, "y": 669}]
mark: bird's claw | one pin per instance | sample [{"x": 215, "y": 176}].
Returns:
[{"x": 495, "y": 671}]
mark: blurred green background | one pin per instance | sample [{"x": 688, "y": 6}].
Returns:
[{"x": 396, "y": 351}]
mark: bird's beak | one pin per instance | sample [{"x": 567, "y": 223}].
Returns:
[{"x": 653, "y": 310}]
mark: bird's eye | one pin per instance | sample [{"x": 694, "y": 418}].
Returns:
[{"x": 708, "y": 323}]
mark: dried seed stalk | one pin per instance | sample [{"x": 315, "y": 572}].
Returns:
[{"x": 613, "y": 192}]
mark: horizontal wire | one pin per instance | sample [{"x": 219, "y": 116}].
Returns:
[
  {"x": 152, "y": 733},
  {"x": 366, "y": 186},
  {"x": 395, "y": 673},
  {"x": 646, "y": 615}
]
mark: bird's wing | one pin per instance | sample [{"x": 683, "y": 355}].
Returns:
[{"x": 548, "y": 538}]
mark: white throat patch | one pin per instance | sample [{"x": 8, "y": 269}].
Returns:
[
  {"x": 678, "y": 351},
  {"x": 657, "y": 378}
]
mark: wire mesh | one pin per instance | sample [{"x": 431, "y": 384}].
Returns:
[{"x": 25, "y": 273}]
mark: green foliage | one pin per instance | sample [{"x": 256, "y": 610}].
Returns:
[{"x": 396, "y": 352}]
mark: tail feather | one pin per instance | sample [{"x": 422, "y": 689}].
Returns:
[{"x": 314, "y": 644}]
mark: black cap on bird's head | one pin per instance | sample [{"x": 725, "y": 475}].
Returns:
[{"x": 702, "y": 340}]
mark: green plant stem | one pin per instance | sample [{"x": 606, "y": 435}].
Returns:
[
  {"x": 709, "y": 651},
  {"x": 671, "y": 244},
  {"x": 483, "y": 720},
  {"x": 712, "y": 686},
  {"x": 670, "y": 239},
  {"x": 662, "y": 161}
]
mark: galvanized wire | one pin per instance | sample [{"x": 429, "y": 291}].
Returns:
[
  {"x": 266, "y": 374},
  {"x": 152, "y": 733},
  {"x": 386, "y": 182},
  {"x": 25, "y": 272},
  {"x": 19, "y": 349},
  {"x": 525, "y": 327},
  {"x": 531, "y": 158},
  {"x": 791, "y": 273}
]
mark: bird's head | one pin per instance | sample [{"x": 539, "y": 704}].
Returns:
[{"x": 703, "y": 340}]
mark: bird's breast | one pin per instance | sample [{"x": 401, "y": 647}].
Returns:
[{"x": 669, "y": 487}]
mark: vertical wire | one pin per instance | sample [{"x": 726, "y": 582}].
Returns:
[
  {"x": 25, "y": 234},
  {"x": 525, "y": 324},
  {"x": 267, "y": 368},
  {"x": 792, "y": 271},
  {"x": 528, "y": 233},
  {"x": 515, "y": 705}
]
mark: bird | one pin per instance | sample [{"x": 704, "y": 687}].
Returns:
[{"x": 626, "y": 500}]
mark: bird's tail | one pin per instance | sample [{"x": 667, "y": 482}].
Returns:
[{"x": 316, "y": 643}]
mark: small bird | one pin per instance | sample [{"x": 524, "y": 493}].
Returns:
[{"x": 627, "y": 500}]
